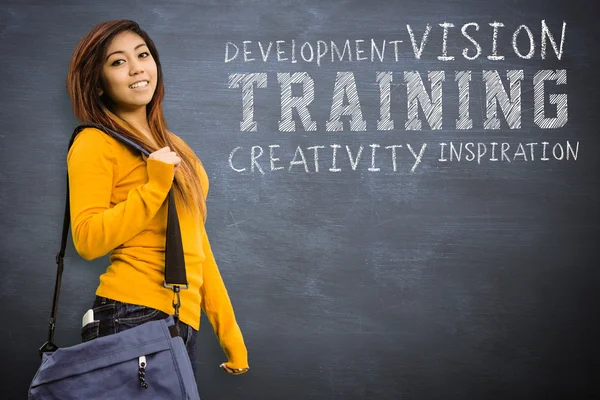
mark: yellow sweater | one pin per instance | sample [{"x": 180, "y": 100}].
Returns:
[{"x": 118, "y": 206}]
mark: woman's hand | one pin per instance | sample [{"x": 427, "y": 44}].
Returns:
[
  {"x": 167, "y": 156},
  {"x": 232, "y": 371}
]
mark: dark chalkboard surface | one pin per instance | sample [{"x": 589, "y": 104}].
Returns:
[{"x": 394, "y": 217}]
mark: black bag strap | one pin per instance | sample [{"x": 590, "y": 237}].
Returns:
[{"x": 175, "y": 275}]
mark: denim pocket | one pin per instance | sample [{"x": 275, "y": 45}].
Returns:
[
  {"x": 131, "y": 315},
  {"x": 103, "y": 314},
  {"x": 90, "y": 331}
]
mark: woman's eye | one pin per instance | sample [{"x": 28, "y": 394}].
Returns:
[{"x": 118, "y": 62}]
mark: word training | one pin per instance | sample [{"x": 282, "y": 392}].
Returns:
[{"x": 496, "y": 96}]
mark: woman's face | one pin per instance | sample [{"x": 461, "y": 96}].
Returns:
[{"x": 127, "y": 62}]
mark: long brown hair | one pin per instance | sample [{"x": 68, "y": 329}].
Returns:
[{"x": 83, "y": 81}]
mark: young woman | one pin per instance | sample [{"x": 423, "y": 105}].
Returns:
[{"x": 118, "y": 196}]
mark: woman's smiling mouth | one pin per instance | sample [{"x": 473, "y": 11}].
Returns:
[{"x": 139, "y": 85}]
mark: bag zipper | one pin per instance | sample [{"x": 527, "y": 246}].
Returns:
[{"x": 142, "y": 371}]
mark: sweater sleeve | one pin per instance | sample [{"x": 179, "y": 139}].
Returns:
[
  {"x": 217, "y": 307},
  {"x": 97, "y": 227},
  {"x": 216, "y": 303}
]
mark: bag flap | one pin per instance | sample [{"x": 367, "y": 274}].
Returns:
[{"x": 150, "y": 337}]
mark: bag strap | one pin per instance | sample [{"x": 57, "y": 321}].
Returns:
[{"x": 175, "y": 275}]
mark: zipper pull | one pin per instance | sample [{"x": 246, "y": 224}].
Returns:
[{"x": 142, "y": 371}]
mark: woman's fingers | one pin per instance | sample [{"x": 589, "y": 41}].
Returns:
[
  {"x": 167, "y": 156},
  {"x": 233, "y": 371}
]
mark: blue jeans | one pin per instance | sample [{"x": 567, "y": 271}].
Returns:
[{"x": 111, "y": 316}]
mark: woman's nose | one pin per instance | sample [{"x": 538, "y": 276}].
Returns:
[{"x": 136, "y": 67}]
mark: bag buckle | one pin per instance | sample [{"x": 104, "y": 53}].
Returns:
[
  {"x": 176, "y": 300},
  {"x": 172, "y": 287},
  {"x": 49, "y": 346}
]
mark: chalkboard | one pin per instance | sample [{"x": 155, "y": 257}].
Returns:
[{"x": 404, "y": 195}]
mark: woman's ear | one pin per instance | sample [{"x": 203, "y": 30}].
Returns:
[{"x": 99, "y": 85}]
